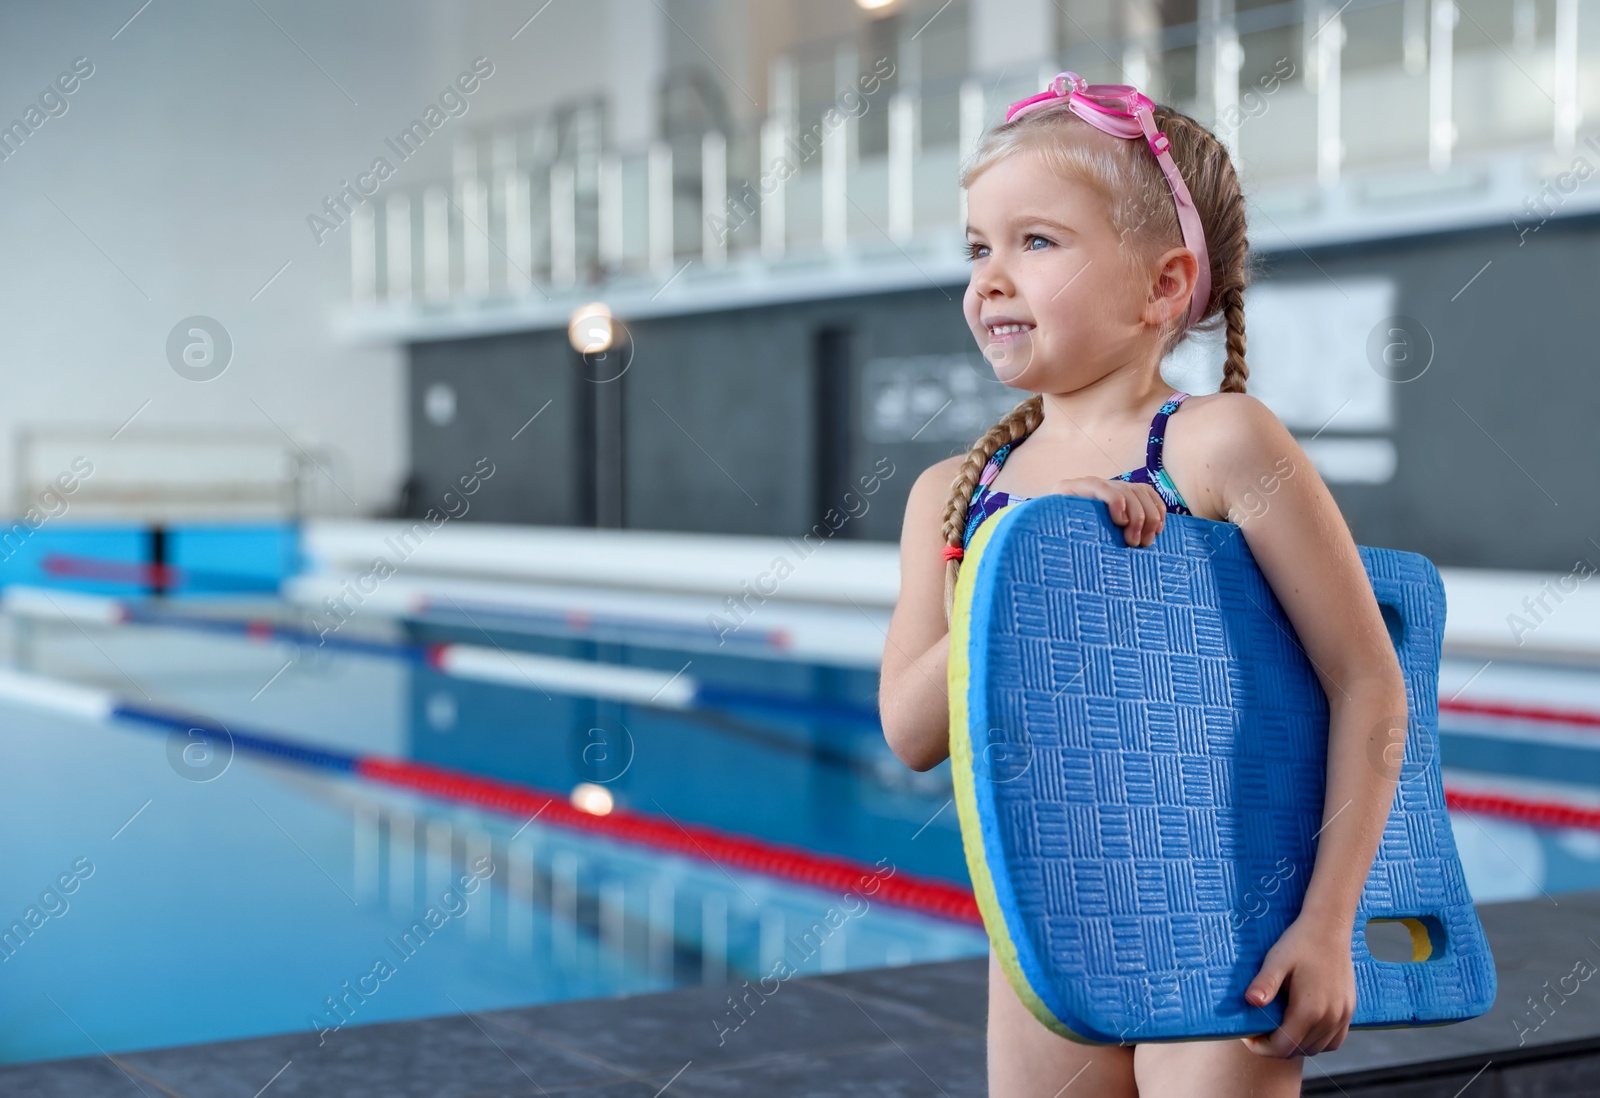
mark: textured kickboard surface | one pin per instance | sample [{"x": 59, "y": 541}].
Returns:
[{"x": 1139, "y": 748}]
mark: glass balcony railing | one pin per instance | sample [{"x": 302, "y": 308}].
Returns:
[{"x": 860, "y": 148}]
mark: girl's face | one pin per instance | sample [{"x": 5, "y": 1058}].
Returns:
[{"x": 1052, "y": 301}]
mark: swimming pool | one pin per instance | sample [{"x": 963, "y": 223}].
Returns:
[
  {"x": 239, "y": 896},
  {"x": 254, "y": 897}
]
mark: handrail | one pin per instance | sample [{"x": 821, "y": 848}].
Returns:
[{"x": 797, "y": 180}]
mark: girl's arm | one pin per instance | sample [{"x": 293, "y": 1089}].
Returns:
[
  {"x": 1299, "y": 539},
  {"x": 912, "y": 688}
]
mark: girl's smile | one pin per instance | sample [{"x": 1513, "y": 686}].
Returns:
[{"x": 1006, "y": 329}]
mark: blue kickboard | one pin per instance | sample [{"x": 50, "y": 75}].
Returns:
[{"x": 1139, "y": 748}]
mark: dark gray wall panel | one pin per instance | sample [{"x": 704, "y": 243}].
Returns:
[
  {"x": 719, "y": 415},
  {"x": 542, "y": 476},
  {"x": 925, "y": 322},
  {"x": 745, "y": 385},
  {"x": 1498, "y": 463},
  {"x": 1497, "y": 458}
]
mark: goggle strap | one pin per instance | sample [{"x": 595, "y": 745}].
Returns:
[
  {"x": 1065, "y": 88},
  {"x": 1194, "y": 237}
]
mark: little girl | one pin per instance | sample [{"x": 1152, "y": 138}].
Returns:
[{"x": 1101, "y": 227}]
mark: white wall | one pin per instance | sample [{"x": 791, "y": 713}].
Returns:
[
  {"x": 181, "y": 176},
  {"x": 1011, "y": 32},
  {"x": 184, "y": 169}
]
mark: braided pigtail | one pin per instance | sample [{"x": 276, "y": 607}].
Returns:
[
  {"x": 1234, "y": 370},
  {"x": 1209, "y": 174},
  {"x": 1015, "y": 424}
]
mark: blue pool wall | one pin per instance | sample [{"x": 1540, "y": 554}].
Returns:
[{"x": 222, "y": 558}]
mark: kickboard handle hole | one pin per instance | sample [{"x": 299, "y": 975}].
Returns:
[
  {"x": 1394, "y": 623},
  {"x": 1404, "y": 938}
]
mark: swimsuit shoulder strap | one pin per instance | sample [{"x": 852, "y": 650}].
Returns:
[
  {"x": 1158, "y": 431},
  {"x": 991, "y": 468}
]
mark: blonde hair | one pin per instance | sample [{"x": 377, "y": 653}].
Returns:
[{"x": 1142, "y": 212}]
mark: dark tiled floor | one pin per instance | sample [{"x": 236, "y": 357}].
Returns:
[
  {"x": 449, "y": 1056},
  {"x": 1534, "y": 942},
  {"x": 660, "y": 1033},
  {"x": 910, "y": 1031}
]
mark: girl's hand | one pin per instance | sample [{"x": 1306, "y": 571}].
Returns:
[
  {"x": 1138, "y": 507},
  {"x": 1313, "y": 958}
]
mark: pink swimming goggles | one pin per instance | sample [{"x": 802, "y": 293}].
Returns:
[{"x": 1122, "y": 111}]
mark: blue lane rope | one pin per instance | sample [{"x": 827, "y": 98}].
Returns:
[{"x": 706, "y": 696}]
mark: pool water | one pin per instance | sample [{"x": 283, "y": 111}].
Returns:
[
  {"x": 252, "y": 897},
  {"x": 237, "y": 897}
]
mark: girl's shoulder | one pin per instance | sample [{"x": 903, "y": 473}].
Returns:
[
  {"x": 930, "y": 494},
  {"x": 1210, "y": 405},
  {"x": 1214, "y": 421},
  {"x": 943, "y": 473},
  {"x": 1214, "y": 440}
]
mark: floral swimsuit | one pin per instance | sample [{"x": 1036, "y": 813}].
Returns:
[{"x": 986, "y": 502}]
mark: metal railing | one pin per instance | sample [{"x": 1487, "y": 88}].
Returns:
[
  {"x": 91, "y": 473},
  {"x": 1303, "y": 93}
]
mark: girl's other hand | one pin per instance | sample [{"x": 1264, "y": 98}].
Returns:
[
  {"x": 1136, "y": 507},
  {"x": 1313, "y": 958}
]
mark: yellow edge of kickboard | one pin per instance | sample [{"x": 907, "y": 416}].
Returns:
[
  {"x": 959, "y": 681},
  {"x": 1421, "y": 940}
]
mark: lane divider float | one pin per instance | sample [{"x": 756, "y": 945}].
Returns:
[
  {"x": 638, "y": 685},
  {"x": 145, "y": 573},
  {"x": 1538, "y": 813},
  {"x": 597, "y": 625},
  {"x": 726, "y": 850},
  {"x": 1533, "y": 714},
  {"x": 643, "y": 686},
  {"x": 479, "y": 663}
]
